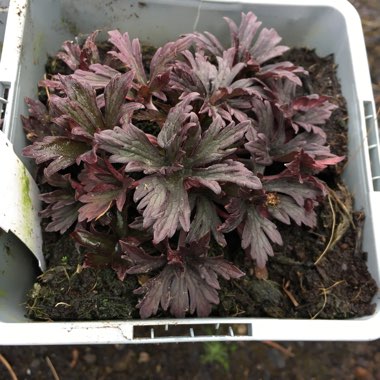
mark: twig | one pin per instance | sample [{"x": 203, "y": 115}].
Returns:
[
  {"x": 75, "y": 357},
  {"x": 277, "y": 346},
  {"x": 52, "y": 369},
  {"x": 326, "y": 291},
  {"x": 348, "y": 212},
  {"x": 47, "y": 89},
  {"x": 285, "y": 287},
  {"x": 359, "y": 234},
  {"x": 8, "y": 367},
  {"x": 332, "y": 231}
]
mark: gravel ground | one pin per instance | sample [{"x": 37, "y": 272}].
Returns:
[{"x": 254, "y": 360}]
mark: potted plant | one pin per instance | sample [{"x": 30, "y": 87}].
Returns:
[{"x": 163, "y": 172}]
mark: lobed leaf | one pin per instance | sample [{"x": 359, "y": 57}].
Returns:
[
  {"x": 286, "y": 209},
  {"x": 165, "y": 203},
  {"x": 62, "y": 203},
  {"x": 77, "y": 57},
  {"x": 104, "y": 186},
  {"x": 174, "y": 132},
  {"x": 206, "y": 220},
  {"x": 62, "y": 152},
  {"x": 114, "y": 97},
  {"x": 229, "y": 171},
  {"x": 39, "y": 122},
  {"x": 130, "y": 145},
  {"x": 80, "y": 106},
  {"x": 129, "y": 53},
  {"x": 101, "y": 251},
  {"x": 188, "y": 285},
  {"x": 311, "y": 111},
  {"x": 257, "y": 235},
  {"x": 139, "y": 261},
  {"x": 217, "y": 142},
  {"x": 165, "y": 55},
  {"x": 97, "y": 75}
]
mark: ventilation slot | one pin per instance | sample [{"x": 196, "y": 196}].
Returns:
[
  {"x": 373, "y": 143},
  {"x": 203, "y": 332},
  {"x": 4, "y": 91}
]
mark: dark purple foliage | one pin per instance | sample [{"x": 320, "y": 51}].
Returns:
[
  {"x": 208, "y": 141},
  {"x": 187, "y": 281}
]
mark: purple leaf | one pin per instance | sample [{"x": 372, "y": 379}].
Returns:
[
  {"x": 166, "y": 55},
  {"x": 217, "y": 141},
  {"x": 207, "y": 41},
  {"x": 282, "y": 70},
  {"x": 129, "y": 53},
  {"x": 101, "y": 251},
  {"x": 114, "y": 97},
  {"x": 165, "y": 203},
  {"x": 257, "y": 232},
  {"x": 304, "y": 164},
  {"x": 38, "y": 124},
  {"x": 284, "y": 208},
  {"x": 290, "y": 185},
  {"x": 98, "y": 75},
  {"x": 312, "y": 110},
  {"x": 229, "y": 171},
  {"x": 215, "y": 85},
  {"x": 262, "y": 135},
  {"x": 76, "y": 57},
  {"x": 130, "y": 145},
  {"x": 188, "y": 284},
  {"x": 157, "y": 290},
  {"x": 80, "y": 107},
  {"x": 70, "y": 55},
  {"x": 257, "y": 235},
  {"x": 178, "y": 122},
  {"x": 205, "y": 220},
  {"x": 251, "y": 47},
  {"x": 62, "y": 203},
  {"x": 139, "y": 261},
  {"x": 104, "y": 186},
  {"x": 266, "y": 46},
  {"x": 61, "y": 151}
]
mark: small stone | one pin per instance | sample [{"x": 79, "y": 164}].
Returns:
[
  {"x": 362, "y": 373},
  {"x": 89, "y": 358},
  {"x": 261, "y": 273},
  {"x": 122, "y": 364},
  {"x": 35, "y": 363},
  {"x": 144, "y": 357},
  {"x": 242, "y": 330}
]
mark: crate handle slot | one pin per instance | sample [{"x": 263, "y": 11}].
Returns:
[
  {"x": 373, "y": 143},
  {"x": 4, "y": 92},
  {"x": 191, "y": 332}
]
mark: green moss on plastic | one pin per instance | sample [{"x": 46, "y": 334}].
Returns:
[{"x": 26, "y": 202}]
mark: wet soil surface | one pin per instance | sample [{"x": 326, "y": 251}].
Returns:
[{"x": 197, "y": 361}]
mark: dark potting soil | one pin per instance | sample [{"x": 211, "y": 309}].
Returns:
[{"x": 317, "y": 273}]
